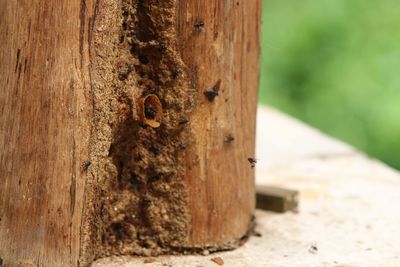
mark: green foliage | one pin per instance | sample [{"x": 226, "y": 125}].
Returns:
[{"x": 336, "y": 65}]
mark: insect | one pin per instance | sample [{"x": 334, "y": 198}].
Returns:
[
  {"x": 213, "y": 92},
  {"x": 85, "y": 165},
  {"x": 150, "y": 111},
  {"x": 155, "y": 150},
  {"x": 138, "y": 157},
  {"x": 162, "y": 48},
  {"x": 135, "y": 179},
  {"x": 252, "y": 162},
  {"x": 313, "y": 249},
  {"x": 143, "y": 59},
  {"x": 146, "y": 202},
  {"x": 175, "y": 73},
  {"x": 183, "y": 121},
  {"x": 257, "y": 234},
  {"x": 124, "y": 74},
  {"x": 182, "y": 146},
  {"x": 229, "y": 138},
  {"x": 199, "y": 24}
]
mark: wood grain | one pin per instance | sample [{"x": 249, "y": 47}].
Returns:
[
  {"x": 44, "y": 127},
  {"x": 50, "y": 80},
  {"x": 220, "y": 179}
]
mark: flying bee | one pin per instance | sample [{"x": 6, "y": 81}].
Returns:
[{"x": 252, "y": 162}]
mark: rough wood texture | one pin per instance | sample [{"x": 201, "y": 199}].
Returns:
[
  {"x": 45, "y": 111},
  {"x": 220, "y": 179},
  {"x": 337, "y": 185},
  {"x": 110, "y": 144}
]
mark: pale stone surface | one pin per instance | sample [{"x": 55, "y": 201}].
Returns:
[{"x": 349, "y": 205}]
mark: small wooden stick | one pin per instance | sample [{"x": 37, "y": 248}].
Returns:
[{"x": 276, "y": 199}]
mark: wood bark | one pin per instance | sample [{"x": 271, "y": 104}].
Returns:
[{"x": 125, "y": 128}]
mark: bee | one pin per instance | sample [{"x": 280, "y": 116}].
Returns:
[
  {"x": 123, "y": 75},
  {"x": 182, "y": 146},
  {"x": 252, "y": 162},
  {"x": 143, "y": 59},
  {"x": 138, "y": 157},
  {"x": 213, "y": 92},
  {"x": 183, "y": 121},
  {"x": 199, "y": 24},
  {"x": 313, "y": 249},
  {"x": 162, "y": 48},
  {"x": 175, "y": 73},
  {"x": 229, "y": 138},
  {"x": 85, "y": 165},
  {"x": 155, "y": 150}
]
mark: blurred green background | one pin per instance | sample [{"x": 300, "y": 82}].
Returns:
[{"x": 335, "y": 64}]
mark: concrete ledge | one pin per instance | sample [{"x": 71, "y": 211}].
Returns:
[{"x": 349, "y": 205}]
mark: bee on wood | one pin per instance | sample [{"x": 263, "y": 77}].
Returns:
[
  {"x": 183, "y": 121},
  {"x": 162, "y": 48},
  {"x": 150, "y": 111},
  {"x": 135, "y": 179},
  {"x": 199, "y": 24},
  {"x": 229, "y": 139},
  {"x": 155, "y": 149},
  {"x": 138, "y": 157},
  {"x": 85, "y": 165},
  {"x": 252, "y": 162},
  {"x": 123, "y": 75},
  {"x": 182, "y": 146},
  {"x": 145, "y": 202},
  {"x": 143, "y": 59},
  {"x": 213, "y": 92},
  {"x": 175, "y": 73}
]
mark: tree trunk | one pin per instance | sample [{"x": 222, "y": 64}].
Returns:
[{"x": 125, "y": 127}]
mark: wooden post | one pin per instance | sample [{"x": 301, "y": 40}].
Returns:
[{"x": 125, "y": 127}]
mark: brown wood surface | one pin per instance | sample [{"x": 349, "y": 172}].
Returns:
[
  {"x": 220, "y": 178},
  {"x": 56, "y": 134},
  {"x": 44, "y": 127}
]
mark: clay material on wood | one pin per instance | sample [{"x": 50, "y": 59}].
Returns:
[{"x": 348, "y": 214}]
